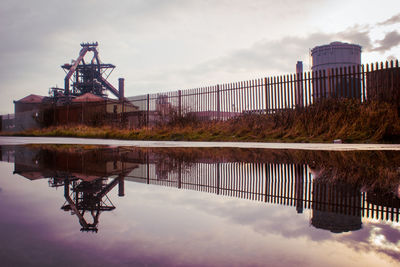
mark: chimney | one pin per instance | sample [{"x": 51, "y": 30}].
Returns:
[
  {"x": 299, "y": 95},
  {"x": 299, "y": 67},
  {"x": 121, "y": 88}
]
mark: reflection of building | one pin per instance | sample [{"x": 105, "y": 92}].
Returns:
[
  {"x": 87, "y": 199},
  {"x": 86, "y": 164},
  {"x": 83, "y": 172},
  {"x": 88, "y": 174},
  {"x": 336, "y": 207}
]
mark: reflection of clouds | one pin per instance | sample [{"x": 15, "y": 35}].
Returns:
[
  {"x": 386, "y": 239},
  {"x": 263, "y": 218},
  {"x": 230, "y": 226},
  {"x": 269, "y": 218},
  {"x": 382, "y": 237}
]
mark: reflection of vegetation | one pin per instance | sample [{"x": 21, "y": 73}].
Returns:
[
  {"x": 372, "y": 170},
  {"x": 328, "y": 120},
  {"x": 368, "y": 169}
]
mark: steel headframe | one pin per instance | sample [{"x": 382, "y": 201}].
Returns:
[{"x": 87, "y": 77}]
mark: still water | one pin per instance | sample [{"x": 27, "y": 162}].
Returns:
[{"x": 86, "y": 205}]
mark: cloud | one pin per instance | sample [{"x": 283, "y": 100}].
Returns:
[
  {"x": 275, "y": 57},
  {"x": 279, "y": 56},
  {"x": 390, "y": 40},
  {"x": 358, "y": 34},
  {"x": 393, "y": 20},
  {"x": 161, "y": 44},
  {"x": 382, "y": 237}
]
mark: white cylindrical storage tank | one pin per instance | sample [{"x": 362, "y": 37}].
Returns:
[
  {"x": 335, "y": 55},
  {"x": 327, "y": 81}
]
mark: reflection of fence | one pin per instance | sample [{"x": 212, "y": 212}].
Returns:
[
  {"x": 284, "y": 184},
  {"x": 224, "y": 101}
]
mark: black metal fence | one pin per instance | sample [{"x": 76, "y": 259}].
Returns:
[
  {"x": 379, "y": 81},
  {"x": 272, "y": 94}
]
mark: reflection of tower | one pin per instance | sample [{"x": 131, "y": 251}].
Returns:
[
  {"x": 89, "y": 198},
  {"x": 299, "y": 187},
  {"x": 336, "y": 207}
]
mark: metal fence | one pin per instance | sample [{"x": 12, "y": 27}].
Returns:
[
  {"x": 272, "y": 94},
  {"x": 379, "y": 81}
]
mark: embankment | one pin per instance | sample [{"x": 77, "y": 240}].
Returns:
[{"x": 348, "y": 120}]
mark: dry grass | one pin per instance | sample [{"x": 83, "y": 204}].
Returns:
[{"x": 323, "y": 122}]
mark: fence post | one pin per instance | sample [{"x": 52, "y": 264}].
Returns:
[
  {"x": 179, "y": 103},
  {"x": 83, "y": 113},
  {"x": 266, "y": 95},
  {"x": 218, "y": 104},
  {"x": 179, "y": 173},
  {"x": 299, "y": 89},
  {"x": 328, "y": 82},
  {"x": 218, "y": 177},
  {"x": 148, "y": 110}
]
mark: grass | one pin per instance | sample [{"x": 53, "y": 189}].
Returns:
[{"x": 348, "y": 120}]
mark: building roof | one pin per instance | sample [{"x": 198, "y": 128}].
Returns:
[
  {"x": 88, "y": 97},
  {"x": 31, "y": 99},
  {"x": 31, "y": 175}
]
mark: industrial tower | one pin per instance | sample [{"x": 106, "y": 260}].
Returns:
[{"x": 90, "y": 76}]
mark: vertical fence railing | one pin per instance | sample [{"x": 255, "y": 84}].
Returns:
[
  {"x": 380, "y": 81},
  {"x": 276, "y": 93}
]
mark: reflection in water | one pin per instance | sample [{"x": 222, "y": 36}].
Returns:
[
  {"x": 89, "y": 197},
  {"x": 83, "y": 173},
  {"x": 87, "y": 174}
]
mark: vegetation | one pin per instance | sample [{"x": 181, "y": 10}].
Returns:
[
  {"x": 322, "y": 122},
  {"x": 367, "y": 170}
]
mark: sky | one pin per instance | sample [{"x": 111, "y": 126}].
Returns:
[{"x": 168, "y": 45}]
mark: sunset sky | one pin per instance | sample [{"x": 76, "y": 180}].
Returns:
[{"x": 179, "y": 44}]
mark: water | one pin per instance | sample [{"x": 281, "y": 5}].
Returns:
[{"x": 89, "y": 205}]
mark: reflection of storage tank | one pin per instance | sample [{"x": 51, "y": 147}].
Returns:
[
  {"x": 332, "y": 56},
  {"x": 336, "y": 207}
]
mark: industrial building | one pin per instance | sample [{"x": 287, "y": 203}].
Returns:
[
  {"x": 83, "y": 100},
  {"x": 336, "y": 73}
]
